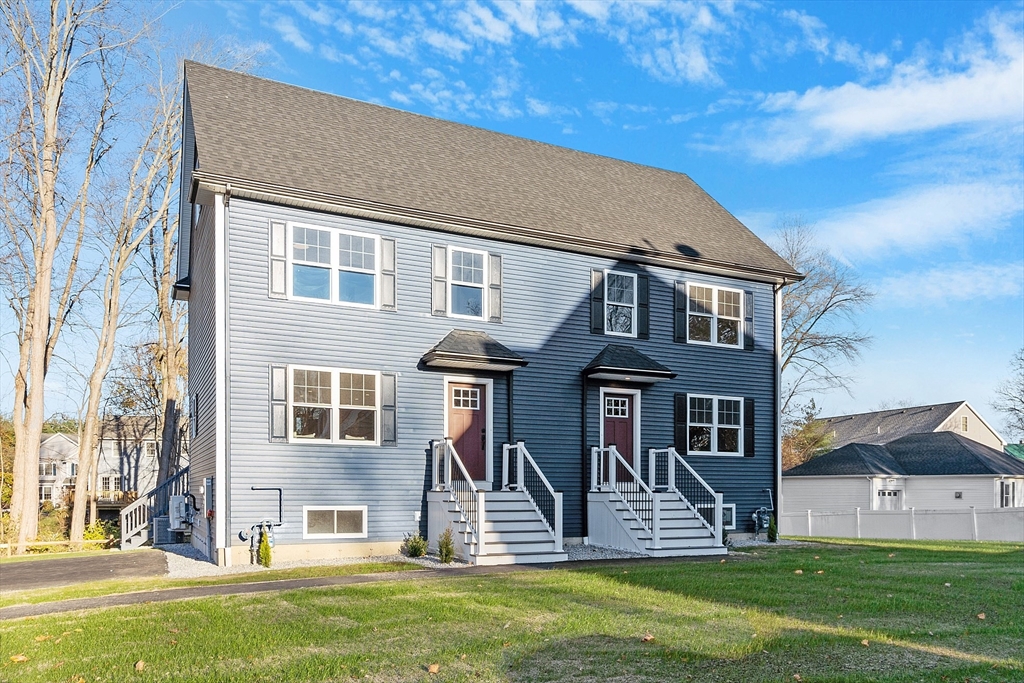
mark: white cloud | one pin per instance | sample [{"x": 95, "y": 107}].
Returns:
[
  {"x": 537, "y": 107},
  {"x": 952, "y": 283},
  {"x": 598, "y": 10},
  {"x": 289, "y": 32},
  {"x": 987, "y": 87},
  {"x": 332, "y": 54},
  {"x": 446, "y": 44},
  {"x": 321, "y": 14},
  {"x": 921, "y": 218},
  {"x": 817, "y": 39},
  {"x": 480, "y": 22}
]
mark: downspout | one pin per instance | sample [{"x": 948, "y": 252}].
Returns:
[
  {"x": 778, "y": 396},
  {"x": 586, "y": 458},
  {"x": 511, "y": 412}
]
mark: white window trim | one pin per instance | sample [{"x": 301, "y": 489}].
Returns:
[
  {"x": 333, "y": 508},
  {"x": 635, "y": 393},
  {"x": 334, "y": 266},
  {"x": 484, "y": 287},
  {"x": 43, "y": 488},
  {"x": 489, "y": 417},
  {"x": 635, "y": 306},
  {"x": 714, "y": 316},
  {"x": 334, "y": 406},
  {"x": 731, "y": 506},
  {"x": 715, "y": 425}
]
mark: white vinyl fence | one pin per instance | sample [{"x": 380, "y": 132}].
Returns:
[{"x": 963, "y": 524}]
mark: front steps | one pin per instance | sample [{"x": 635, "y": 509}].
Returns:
[
  {"x": 682, "y": 533},
  {"x": 513, "y": 531}
]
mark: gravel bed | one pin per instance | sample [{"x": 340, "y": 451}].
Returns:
[{"x": 578, "y": 551}]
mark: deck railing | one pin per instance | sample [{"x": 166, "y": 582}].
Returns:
[
  {"x": 668, "y": 470},
  {"x": 520, "y": 471},
  {"x": 136, "y": 516},
  {"x": 608, "y": 469},
  {"x": 451, "y": 475}
]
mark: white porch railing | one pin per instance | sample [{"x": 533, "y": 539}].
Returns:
[
  {"x": 668, "y": 470},
  {"x": 529, "y": 479},
  {"x": 136, "y": 516},
  {"x": 451, "y": 475},
  {"x": 609, "y": 470}
]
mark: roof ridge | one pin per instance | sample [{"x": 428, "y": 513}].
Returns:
[{"x": 893, "y": 410}]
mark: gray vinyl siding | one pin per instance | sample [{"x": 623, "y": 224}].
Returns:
[
  {"x": 546, "y": 319},
  {"x": 202, "y": 351},
  {"x": 826, "y": 493}
]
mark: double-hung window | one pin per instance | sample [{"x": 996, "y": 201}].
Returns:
[
  {"x": 715, "y": 315},
  {"x": 334, "y": 406},
  {"x": 467, "y": 282},
  {"x": 335, "y": 266},
  {"x": 715, "y": 425},
  {"x": 1007, "y": 494},
  {"x": 620, "y": 303}
]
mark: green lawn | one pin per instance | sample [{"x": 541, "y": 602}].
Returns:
[{"x": 876, "y": 612}]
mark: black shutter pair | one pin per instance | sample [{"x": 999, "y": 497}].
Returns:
[
  {"x": 681, "y": 405},
  {"x": 643, "y": 304},
  {"x": 681, "y": 319},
  {"x": 279, "y": 406}
]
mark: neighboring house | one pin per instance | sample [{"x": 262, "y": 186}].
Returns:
[
  {"x": 938, "y": 470},
  {"x": 127, "y": 462},
  {"x": 1016, "y": 450},
  {"x": 399, "y": 323},
  {"x": 883, "y": 426}
]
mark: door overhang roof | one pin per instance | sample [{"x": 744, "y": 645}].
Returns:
[
  {"x": 471, "y": 350},
  {"x": 622, "y": 363}
]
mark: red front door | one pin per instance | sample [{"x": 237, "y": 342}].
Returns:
[
  {"x": 618, "y": 412},
  {"x": 467, "y": 426}
]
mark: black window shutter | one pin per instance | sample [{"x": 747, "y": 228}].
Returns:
[
  {"x": 388, "y": 284},
  {"x": 388, "y": 410},
  {"x": 278, "y": 403},
  {"x": 679, "y": 421},
  {"x": 643, "y": 307},
  {"x": 748, "y": 427},
  {"x": 494, "y": 304},
  {"x": 439, "y": 280},
  {"x": 748, "y": 320},
  {"x": 680, "y": 313},
  {"x": 597, "y": 301}
]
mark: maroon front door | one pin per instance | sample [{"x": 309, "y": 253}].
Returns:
[
  {"x": 467, "y": 426},
  {"x": 618, "y": 412}
]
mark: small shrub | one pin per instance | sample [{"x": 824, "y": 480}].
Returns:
[
  {"x": 773, "y": 530},
  {"x": 101, "y": 530},
  {"x": 46, "y": 507},
  {"x": 264, "y": 547},
  {"x": 414, "y": 545},
  {"x": 446, "y": 546}
]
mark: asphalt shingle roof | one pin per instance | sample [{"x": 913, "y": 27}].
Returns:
[
  {"x": 250, "y": 129},
  {"x": 475, "y": 344},
  {"x": 883, "y": 426},
  {"x": 622, "y": 357},
  {"x": 934, "y": 453}
]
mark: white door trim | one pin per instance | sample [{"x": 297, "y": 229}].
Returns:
[
  {"x": 489, "y": 383},
  {"x": 636, "y": 420}
]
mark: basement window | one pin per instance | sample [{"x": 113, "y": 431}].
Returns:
[{"x": 336, "y": 521}]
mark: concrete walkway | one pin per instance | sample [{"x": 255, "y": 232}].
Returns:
[
  {"x": 168, "y": 594},
  {"x": 68, "y": 571}
]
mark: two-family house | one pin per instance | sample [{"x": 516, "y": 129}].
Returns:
[{"x": 400, "y": 324}]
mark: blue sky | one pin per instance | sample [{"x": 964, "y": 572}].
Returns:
[{"x": 896, "y": 128}]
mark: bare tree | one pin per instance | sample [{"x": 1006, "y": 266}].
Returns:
[
  {"x": 1009, "y": 398},
  {"x": 818, "y": 327},
  {"x": 127, "y": 215},
  {"x": 56, "y": 104}
]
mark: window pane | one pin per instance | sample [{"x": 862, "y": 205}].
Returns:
[
  {"x": 349, "y": 521},
  {"x": 701, "y": 299},
  {"x": 700, "y": 328},
  {"x": 355, "y": 288},
  {"x": 311, "y": 245},
  {"x": 467, "y": 300},
  {"x": 729, "y": 303},
  {"x": 467, "y": 267},
  {"x": 728, "y": 440},
  {"x": 620, "y": 319},
  {"x": 357, "y": 425},
  {"x": 701, "y": 410},
  {"x": 700, "y": 439},
  {"x": 356, "y": 252},
  {"x": 311, "y": 282},
  {"x": 311, "y": 423},
  {"x": 620, "y": 289},
  {"x": 728, "y": 412},
  {"x": 311, "y": 386},
  {"x": 728, "y": 332},
  {"x": 319, "y": 521},
  {"x": 357, "y": 390}
]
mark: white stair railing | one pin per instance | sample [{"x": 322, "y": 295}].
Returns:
[
  {"x": 610, "y": 471},
  {"x": 451, "y": 475},
  {"x": 678, "y": 476},
  {"x": 531, "y": 480},
  {"x": 136, "y": 516},
  {"x": 134, "y": 520}
]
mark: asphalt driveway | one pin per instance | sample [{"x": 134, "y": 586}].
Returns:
[{"x": 29, "y": 574}]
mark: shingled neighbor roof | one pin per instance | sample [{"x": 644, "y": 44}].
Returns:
[
  {"x": 883, "y": 426},
  {"x": 1016, "y": 450},
  {"x": 278, "y": 140},
  {"x": 935, "y": 453}
]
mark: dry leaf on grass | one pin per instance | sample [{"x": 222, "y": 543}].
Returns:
[
  {"x": 892, "y": 554},
  {"x": 140, "y": 665},
  {"x": 982, "y": 616},
  {"x": 647, "y": 638},
  {"x": 799, "y": 571},
  {"x": 797, "y": 677},
  {"x": 19, "y": 658},
  {"x": 820, "y": 571},
  {"x": 40, "y": 639},
  {"x": 462, "y": 657},
  {"x": 817, "y": 558},
  {"x": 864, "y": 642},
  {"x": 721, "y": 562},
  {"x": 433, "y": 668}
]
